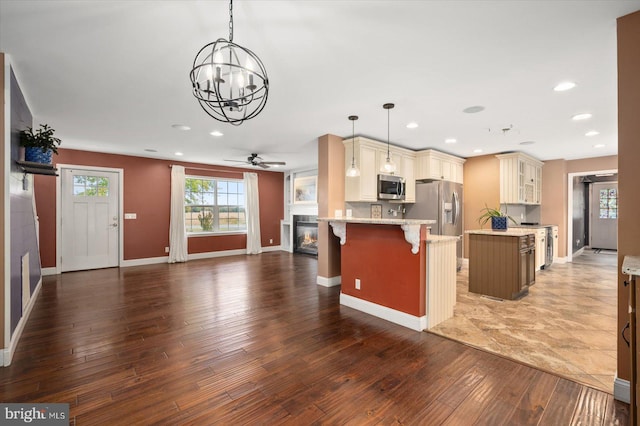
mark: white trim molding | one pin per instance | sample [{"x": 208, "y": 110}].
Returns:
[
  {"x": 392, "y": 315},
  {"x": 621, "y": 390},
  {"x": 329, "y": 281},
  {"x": 7, "y": 353},
  {"x": 49, "y": 271}
]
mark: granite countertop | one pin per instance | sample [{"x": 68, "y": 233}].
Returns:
[
  {"x": 370, "y": 221},
  {"x": 434, "y": 239},
  {"x": 631, "y": 265},
  {"x": 510, "y": 232}
]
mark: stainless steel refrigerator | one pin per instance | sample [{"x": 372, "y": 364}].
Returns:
[{"x": 440, "y": 201}]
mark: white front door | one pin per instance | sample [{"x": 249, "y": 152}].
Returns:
[
  {"x": 89, "y": 219},
  {"x": 604, "y": 215}
]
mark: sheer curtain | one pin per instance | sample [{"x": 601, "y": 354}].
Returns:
[
  {"x": 253, "y": 213},
  {"x": 177, "y": 231}
]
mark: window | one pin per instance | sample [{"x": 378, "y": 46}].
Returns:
[
  {"x": 90, "y": 186},
  {"x": 608, "y": 203},
  {"x": 214, "y": 205}
]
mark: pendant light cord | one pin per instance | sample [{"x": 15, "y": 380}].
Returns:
[
  {"x": 231, "y": 20},
  {"x": 353, "y": 143},
  {"x": 388, "y": 132}
]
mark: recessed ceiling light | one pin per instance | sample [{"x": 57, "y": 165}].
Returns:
[
  {"x": 473, "y": 109},
  {"x": 412, "y": 125},
  {"x": 580, "y": 117},
  {"x": 450, "y": 140},
  {"x": 599, "y": 145},
  {"x": 216, "y": 133},
  {"x": 477, "y": 151},
  {"x": 527, "y": 143},
  {"x": 564, "y": 86},
  {"x": 151, "y": 150},
  {"x": 180, "y": 127},
  {"x": 179, "y": 154},
  {"x": 592, "y": 133}
]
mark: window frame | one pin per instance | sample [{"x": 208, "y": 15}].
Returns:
[{"x": 215, "y": 207}]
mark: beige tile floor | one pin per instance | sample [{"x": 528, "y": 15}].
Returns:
[{"x": 566, "y": 324}]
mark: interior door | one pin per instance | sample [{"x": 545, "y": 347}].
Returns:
[
  {"x": 604, "y": 215},
  {"x": 89, "y": 232}
]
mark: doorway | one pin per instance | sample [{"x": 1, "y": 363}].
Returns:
[
  {"x": 604, "y": 215},
  {"x": 89, "y": 231}
]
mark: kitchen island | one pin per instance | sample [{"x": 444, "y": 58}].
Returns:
[
  {"x": 394, "y": 269},
  {"x": 501, "y": 263}
]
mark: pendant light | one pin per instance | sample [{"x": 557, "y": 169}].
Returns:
[
  {"x": 353, "y": 171},
  {"x": 229, "y": 81},
  {"x": 389, "y": 167}
]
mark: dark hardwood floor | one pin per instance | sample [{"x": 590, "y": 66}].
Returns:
[{"x": 253, "y": 340}]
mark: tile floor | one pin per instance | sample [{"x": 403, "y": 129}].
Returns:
[{"x": 566, "y": 324}]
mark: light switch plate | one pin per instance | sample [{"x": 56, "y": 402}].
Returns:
[{"x": 130, "y": 216}]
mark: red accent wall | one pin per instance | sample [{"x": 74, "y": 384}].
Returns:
[
  {"x": 390, "y": 275},
  {"x": 147, "y": 192}
]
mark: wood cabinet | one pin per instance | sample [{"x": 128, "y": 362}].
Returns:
[
  {"x": 501, "y": 266},
  {"x": 370, "y": 155},
  {"x": 520, "y": 179},
  {"x": 432, "y": 164}
]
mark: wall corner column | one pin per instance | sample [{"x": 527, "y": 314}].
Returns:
[{"x": 330, "y": 198}]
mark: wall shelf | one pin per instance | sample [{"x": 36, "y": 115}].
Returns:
[{"x": 37, "y": 168}]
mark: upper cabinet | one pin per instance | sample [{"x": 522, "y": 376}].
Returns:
[
  {"x": 520, "y": 179},
  {"x": 370, "y": 155},
  {"x": 431, "y": 164}
]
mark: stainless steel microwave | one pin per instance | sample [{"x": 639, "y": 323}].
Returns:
[{"x": 390, "y": 187}]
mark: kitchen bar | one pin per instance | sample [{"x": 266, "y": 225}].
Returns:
[{"x": 394, "y": 269}]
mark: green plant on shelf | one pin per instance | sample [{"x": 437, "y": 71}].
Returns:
[{"x": 41, "y": 138}]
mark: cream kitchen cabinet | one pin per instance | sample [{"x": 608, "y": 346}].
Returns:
[
  {"x": 541, "y": 247},
  {"x": 554, "y": 235},
  {"x": 370, "y": 155},
  {"x": 363, "y": 187},
  {"x": 520, "y": 179},
  {"x": 432, "y": 164}
]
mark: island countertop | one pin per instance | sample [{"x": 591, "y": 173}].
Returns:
[
  {"x": 509, "y": 232},
  {"x": 369, "y": 221}
]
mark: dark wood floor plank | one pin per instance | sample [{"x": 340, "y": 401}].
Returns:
[{"x": 253, "y": 340}]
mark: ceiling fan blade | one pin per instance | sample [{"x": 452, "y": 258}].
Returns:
[
  {"x": 263, "y": 165},
  {"x": 237, "y": 161},
  {"x": 274, "y": 163}
]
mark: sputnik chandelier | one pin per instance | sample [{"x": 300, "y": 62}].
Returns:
[{"x": 229, "y": 81}]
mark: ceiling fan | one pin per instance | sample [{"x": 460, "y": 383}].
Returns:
[{"x": 255, "y": 160}]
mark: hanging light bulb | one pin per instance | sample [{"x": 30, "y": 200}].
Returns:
[
  {"x": 353, "y": 171},
  {"x": 389, "y": 167}
]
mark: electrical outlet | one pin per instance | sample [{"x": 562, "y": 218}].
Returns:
[
  {"x": 166, "y": 249},
  {"x": 270, "y": 240},
  {"x": 357, "y": 284}
]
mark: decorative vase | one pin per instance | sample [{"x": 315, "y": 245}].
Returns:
[
  {"x": 499, "y": 223},
  {"x": 35, "y": 155}
]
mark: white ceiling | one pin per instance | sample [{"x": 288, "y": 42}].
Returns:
[{"x": 113, "y": 76}]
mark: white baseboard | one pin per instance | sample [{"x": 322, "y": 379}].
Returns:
[
  {"x": 621, "y": 390},
  {"x": 392, "y": 315},
  {"x": 49, "y": 271},
  {"x": 212, "y": 254},
  {"x": 7, "y": 353},
  {"x": 560, "y": 260},
  {"x": 144, "y": 261},
  {"x": 271, "y": 248},
  {"x": 329, "y": 282}
]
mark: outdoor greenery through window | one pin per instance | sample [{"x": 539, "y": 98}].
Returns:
[
  {"x": 90, "y": 186},
  {"x": 214, "y": 205},
  {"x": 608, "y": 203}
]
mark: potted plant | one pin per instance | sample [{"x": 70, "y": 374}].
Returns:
[
  {"x": 40, "y": 145},
  {"x": 498, "y": 219}
]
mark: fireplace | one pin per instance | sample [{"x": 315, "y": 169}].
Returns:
[{"x": 305, "y": 234}]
